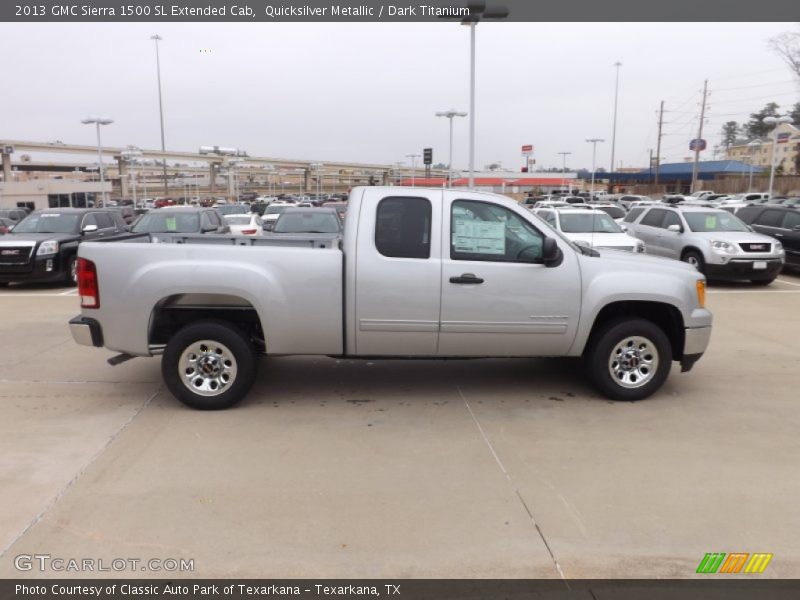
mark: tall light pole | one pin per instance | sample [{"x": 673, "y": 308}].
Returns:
[
  {"x": 754, "y": 146},
  {"x": 593, "y": 142},
  {"x": 564, "y": 167},
  {"x": 449, "y": 114},
  {"x": 478, "y": 11},
  {"x": 97, "y": 121},
  {"x": 317, "y": 166},
  {"x": 617, "y": 65},
  {"x": 157, "y": 38},
  {"x": 777, "y": 122},
  {"x": 413, "y": 158}
]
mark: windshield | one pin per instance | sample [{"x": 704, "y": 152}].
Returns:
[
  {"x": 713, "y": 221},
  {"x": 613, "y": 211},
  {"x": 307, "y": 222},
  {"x": 237, "y": 219},
  {"x": 168, "y": 222},
  {"x": 589, "y": 223},
  {"x": 276, "y": 209},
  {"x": 49, "y": 223}
]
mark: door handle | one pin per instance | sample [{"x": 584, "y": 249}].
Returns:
[{"x": 466, "y": 278}]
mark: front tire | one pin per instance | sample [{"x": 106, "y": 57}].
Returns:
[
  {"x": 629, "y": 359},
  {"x": 209, "y": 365},
  {"x": 71, "y": 272},
  {"x": 695, "y": 259}
]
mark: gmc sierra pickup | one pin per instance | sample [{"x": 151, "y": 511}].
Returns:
[{"x": 417, "y": 273}]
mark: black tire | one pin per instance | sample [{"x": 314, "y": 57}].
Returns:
[
  {"x": 71, "y": 272},
  {"x": 694, "y": 258},
  {"x": 763, "y": 281},
  {"x": 615, "y": 335},
  {"x": 226, "y": 344}
]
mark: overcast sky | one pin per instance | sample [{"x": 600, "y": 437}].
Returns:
[{"x": 368, "y": 92}]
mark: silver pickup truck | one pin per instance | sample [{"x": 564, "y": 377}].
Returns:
[{"x": 417, "y": 273}]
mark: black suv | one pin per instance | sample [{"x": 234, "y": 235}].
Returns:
[
  {"x": 44, "y": 245},
  {"x": 778, "y": 221}
]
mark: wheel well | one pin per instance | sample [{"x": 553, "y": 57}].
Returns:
[
  {"x": 175, "y": 312},
  {"x": 666, "y": 316},
  {"x": 691, "y": 249}
]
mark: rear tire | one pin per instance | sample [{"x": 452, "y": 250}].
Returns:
[
  {"x": 209, "y": 365},
  {"x": 629, "y": 359},
  {"x": 695, "y": 259}
]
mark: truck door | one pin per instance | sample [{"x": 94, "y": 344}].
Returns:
[
  {"x": 498, "y": 299},
  {"x": 397, "y": 289}
]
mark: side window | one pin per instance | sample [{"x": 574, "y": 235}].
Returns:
[
  {"x": 490, "y": 232},
  {"x": 653, "y": 217},
  {"x": 747, "y": 214},
  {"x": 791, "y": 220},
  {"x": 403, "y": 227},
  {"x": 633, "y": 214},
  {"x": 103, "y": 221},
  {"x": 214, "y": 217},
  {"x": 88, "y": 219},
  {"x": 671, "y": 218},
  {"x": 770, "y": 218}
]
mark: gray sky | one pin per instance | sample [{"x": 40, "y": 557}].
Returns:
[{"x": 368, "y": 92}]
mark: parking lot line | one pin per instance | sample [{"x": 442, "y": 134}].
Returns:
[
  {"x": 788, "y": 282},
  {"x": 40, "y": 294},
  {"x": 760, "y": 291}
]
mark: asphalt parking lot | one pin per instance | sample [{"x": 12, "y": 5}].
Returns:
[{"x": 491, "y": 468}]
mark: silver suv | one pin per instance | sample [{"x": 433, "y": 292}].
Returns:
[{"x": 716, "y": 242}]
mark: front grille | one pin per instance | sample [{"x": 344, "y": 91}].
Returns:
[
  {"x": 15, "y": 255},
  {"x": 756, "y": 247}
]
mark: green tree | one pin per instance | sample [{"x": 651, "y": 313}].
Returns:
[
  {"x": 756, "y": 127},
  {"x": 795, "y": 114},
  {"x": 730, "y": 132}
]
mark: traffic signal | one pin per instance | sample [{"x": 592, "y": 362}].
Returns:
[{"x": 427, "y": 156}]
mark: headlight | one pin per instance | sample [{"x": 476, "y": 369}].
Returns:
[
  {"x": 49, "y": 247},
  {"x": 723, "y": 247},
  {"x": 778, "y": 247}
]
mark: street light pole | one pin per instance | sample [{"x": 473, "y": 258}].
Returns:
[
  {"x": 157, "y": 38},
  {"x": 97, "y": 121},
  {"x": 777, "y": 122},
  {"x": 449, "y": 114},
  {"x": 564, "y": 167},
  {"x": 593, "y": 142},
  {"x": 413, "y": 158},
  {"x": 617, "y": 65}
]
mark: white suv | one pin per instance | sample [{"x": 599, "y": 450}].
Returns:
[{"x": 590, "y": 227}]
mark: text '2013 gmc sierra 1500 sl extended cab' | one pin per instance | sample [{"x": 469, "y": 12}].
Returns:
[{"x": 435, "y": 273}]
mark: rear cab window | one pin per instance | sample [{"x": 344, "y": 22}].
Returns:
[{"x": 403, "y": 227}]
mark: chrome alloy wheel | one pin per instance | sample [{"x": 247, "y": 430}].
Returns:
[
  {"x": 207, "y": 368},
  {"x": 692, "y": 260},
  {"x": 633, "y": 361}
]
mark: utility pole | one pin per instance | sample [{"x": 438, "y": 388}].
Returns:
[
  {"x": 617, "y": 65},
  {"x": 699, "y": 136},
  {"x": 658, "y": 144}
]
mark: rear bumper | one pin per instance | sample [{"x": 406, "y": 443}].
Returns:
[
  {"x": 694, "y": 346},
  {"x": 86, "y": 331},
  {"x": 744, "y": 269}
]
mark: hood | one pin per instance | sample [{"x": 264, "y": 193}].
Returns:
[
  {"x": 10, "y": 239},
  {"x": 605, "y": 239},
  {"x": 734, "y": 237},
  {"x": 641, "y": 261}
]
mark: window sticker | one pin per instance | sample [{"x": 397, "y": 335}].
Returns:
[
  {"x": 479, "y": 237},
  {"x": 172, "y": 223},
  {"x": 711, "y": 222}
]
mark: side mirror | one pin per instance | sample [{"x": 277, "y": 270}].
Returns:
[
  {"x": 624, "y": 227},
  {"x": 551, "y": 253},
  {"x": 89, "y": 228},
  {"x": 675, "y": 228}
]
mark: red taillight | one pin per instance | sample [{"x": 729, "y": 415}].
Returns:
[
  {"x": 248, "y": 231},
  {"x": 87, "y": 284}
]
